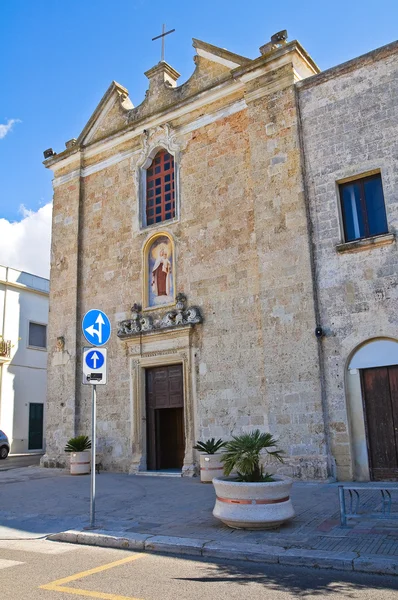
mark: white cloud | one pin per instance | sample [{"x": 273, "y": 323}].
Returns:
[
  {"x": 25, "y": 244},
  {"x": 4, "y": 129}
]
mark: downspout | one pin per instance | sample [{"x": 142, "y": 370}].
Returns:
[
  {"x": 79, "y": 281},
  {"x": 315, "y": 295}
]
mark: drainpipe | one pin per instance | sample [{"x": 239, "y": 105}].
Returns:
[{"x": 314, "y": 279}]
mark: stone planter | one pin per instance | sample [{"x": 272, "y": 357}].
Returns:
[
  {"x": 253, "y": 505},
  {"x": 80, "y": 463},
  {"x": 210, "y": 467}
]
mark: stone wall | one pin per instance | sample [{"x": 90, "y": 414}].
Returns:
[
  {"x": 350, "y": 127},
  {"x": 291, "y": 372}
]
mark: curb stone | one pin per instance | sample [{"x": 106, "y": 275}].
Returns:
[
  {"x": 322, "y": 559},
  {"x": 376, "y": 564},
  {"x": 249, "y": 552},
  {"x": 163, "y": 543}
]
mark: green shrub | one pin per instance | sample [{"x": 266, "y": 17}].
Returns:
[
  {"x": 78, "y": 444},
  {"x": 210, "y": 446},
  {"x": 242, "y": 453}
]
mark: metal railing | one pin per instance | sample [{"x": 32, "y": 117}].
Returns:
[
  {"x": 5, "y": 348},
  {"x": 380, "y": 509}
]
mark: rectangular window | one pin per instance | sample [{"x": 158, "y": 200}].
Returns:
[
  {"x": 362, "y": 206},
  {"x": 37, "y": 335}
]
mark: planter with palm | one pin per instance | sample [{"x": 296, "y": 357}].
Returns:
[
  {"x": 210, "y": 459},
  {"x": 79, "y": 449},
  {"x": 253, "y": 499}
]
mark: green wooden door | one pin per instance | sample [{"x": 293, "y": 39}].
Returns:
[{"x": 35, "y": 426}]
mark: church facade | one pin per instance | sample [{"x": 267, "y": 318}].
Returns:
[{"x": 239, "y": 231}]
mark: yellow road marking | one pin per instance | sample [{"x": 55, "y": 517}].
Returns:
[
  {"x": 87, "y": 593},
  {"x": 58, "y": 585},
  {"x": 111, "y": 565}
]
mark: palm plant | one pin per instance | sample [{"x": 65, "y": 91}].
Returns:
[
  {"x": 210, "y": 446},
  {"x": 243, "y": 454},
  {"x": 78, "y": 444}
]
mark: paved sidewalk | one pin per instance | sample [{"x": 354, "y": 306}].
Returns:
[{"x": 175, "y": 515}]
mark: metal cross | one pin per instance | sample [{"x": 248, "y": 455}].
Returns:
[{"x": 162, "y": 35}]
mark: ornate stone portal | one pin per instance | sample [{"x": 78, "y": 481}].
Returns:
[{"x": 167, "y": 340}]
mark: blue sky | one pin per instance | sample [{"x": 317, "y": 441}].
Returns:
[{"x": 58, "y": 57}]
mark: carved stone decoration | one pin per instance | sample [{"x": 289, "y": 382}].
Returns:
[
  {"x": 180, "y": 317},
  {"x": 161, "y": 137},
  {"x": 146, "y": 323},
  {"x": 60, "y": 343},
  {"x": 153, "y": 140}
]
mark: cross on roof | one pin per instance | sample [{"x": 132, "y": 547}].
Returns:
[{"x": 162, "y": 35}]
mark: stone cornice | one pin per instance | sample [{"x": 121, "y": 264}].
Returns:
[
  {"x": 351, "y": 65},
  {"x": 268, "y": 62},
  {"x": 229, "y": 109},
  {"x": 143, "y": 346},
  {"x": 219, "y": 55},
  {"x": 162, "y": 67},
  {"x": 247, "y": 71},
  {"x": 137, "y": 128},
  {"x": 140, "y": 324}
]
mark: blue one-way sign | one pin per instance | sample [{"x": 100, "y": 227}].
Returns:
[
  {"x": 94, "y": 366},
  {"x": 96, "y": 327},
  {"x": 94, "y": 359}
]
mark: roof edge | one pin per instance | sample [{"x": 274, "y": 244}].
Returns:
[
  {"x": 221, "y": 53},
  {"x": 114, "y": 87},
  {"x": 349, "y": 65}
]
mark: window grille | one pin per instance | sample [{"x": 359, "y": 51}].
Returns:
[{"x": 160, "y": 197}]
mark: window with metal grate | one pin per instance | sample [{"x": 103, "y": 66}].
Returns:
[{"x": 160, "y": 197}]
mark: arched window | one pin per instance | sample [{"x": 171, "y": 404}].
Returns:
[{"x": 160, "y": 197}]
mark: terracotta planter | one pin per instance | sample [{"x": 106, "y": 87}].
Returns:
[
  {"x": 210, "y": 467},
  {"x": 253, "y": 505},
  {"x": 80, "y": 463}
]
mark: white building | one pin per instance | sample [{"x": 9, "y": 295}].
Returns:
[{"x": 23, "y": 358}]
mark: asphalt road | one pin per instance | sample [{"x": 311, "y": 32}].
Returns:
[
  {"x": 15, "y": 462},
  {"x": 44, "y": 570}
]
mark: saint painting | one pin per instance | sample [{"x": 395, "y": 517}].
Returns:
[{"x": 161, "y": 272}]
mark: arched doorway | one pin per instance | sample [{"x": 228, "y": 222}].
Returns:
[{"x": 372, "y": 394}]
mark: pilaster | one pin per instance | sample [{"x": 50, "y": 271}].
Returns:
[{"x": 62, "y": 326}]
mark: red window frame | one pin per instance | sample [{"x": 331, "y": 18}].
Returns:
[{"x": 160, "y": 189}]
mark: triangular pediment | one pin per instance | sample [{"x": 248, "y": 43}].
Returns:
[
  {"x": 219, "y": 55},
  {"x": 109, "y": 116}
]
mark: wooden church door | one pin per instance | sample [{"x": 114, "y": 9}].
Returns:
[
  {"x": 165, "y": 418},
  {"x": 380, "y": 393}
]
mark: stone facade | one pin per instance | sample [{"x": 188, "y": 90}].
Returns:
[
  {"x": 255, "y": 238},
  {"x": 350, "y": 128}
]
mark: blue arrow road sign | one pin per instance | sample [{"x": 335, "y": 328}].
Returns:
[
  {"x": 96, "y": 327},
  {"x": 95, "y": 359}
]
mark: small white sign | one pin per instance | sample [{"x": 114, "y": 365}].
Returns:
[{"x": 94, "y": 366}]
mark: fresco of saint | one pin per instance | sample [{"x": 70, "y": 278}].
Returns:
[{"x": 160, "y": 272}]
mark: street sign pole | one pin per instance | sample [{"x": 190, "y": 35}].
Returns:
[
  {"x": 96, "y": 328},
  {"x": 93, "y": 452}
]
